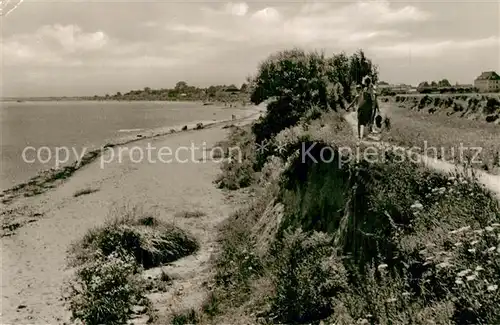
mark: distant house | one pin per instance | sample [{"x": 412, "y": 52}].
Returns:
[
  {"x": 488, "y": 81},
  {"x": 386, "y": 88}
]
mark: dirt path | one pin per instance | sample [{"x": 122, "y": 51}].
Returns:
[
  {"x": 34, "y": 258},
  {"x": 492, "y": 182}
]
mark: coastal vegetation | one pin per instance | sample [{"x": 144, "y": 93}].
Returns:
[{"x": 344, "y": 240}]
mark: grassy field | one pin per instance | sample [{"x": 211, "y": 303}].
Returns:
[{"x": 447, "y": 134}]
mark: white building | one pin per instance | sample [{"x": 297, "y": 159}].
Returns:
[{"x": 488, "y": 81}]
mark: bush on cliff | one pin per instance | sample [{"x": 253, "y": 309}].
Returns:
[
  {"x": 300, "y": 85},
  {"x": 237, "y": 171}
]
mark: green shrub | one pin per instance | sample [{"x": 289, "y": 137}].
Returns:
[
  {"x": 308, "y": 276},
  {"x": 238, "y": 171},
  {"x": 105, "y": 290},
  {"x": 185, "y": 318},
  {"x": 238, "y": 264},
  {"x": 492, "y": 105},
  {"x": 149, "y": 240}
]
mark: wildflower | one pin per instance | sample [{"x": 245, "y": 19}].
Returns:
[
  {"x": 479, "y": 268},
  {"x": 471, "y": 277},
  {"x": 472, "y": 250},
  {"x": 452, "y": 178},
  {"x": 250, "y": 268},
  {"x": 458, "y": 244},
  {"x": 391, "y": 300},
  {"x": 492, "y": 287},
  {"x": 406, "y": 294},
  {"x": 464, "y": 272},
  {"x": 443, "y": 265},
  {"x": 474, "y": 242},
  {"x": 460, "y": 230},
  {"x": 495, "y": 224},
  {"x": 488, "y": 228},
  {"x": 382, "y": 266},
  {"x": 491, "y": 249},
  {"x": 417, "y": 206},
  {"x": 459, "y": 281}
]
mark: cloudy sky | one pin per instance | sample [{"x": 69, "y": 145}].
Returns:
[{"x": 97, "y": 47}]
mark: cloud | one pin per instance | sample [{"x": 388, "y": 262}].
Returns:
[
  {"x": 54, "y": 44},
  {"x": 70, "y": 46},
  {"x": 381, "y": 12},
  {"x": 268, "y": 14},
  {"x": 236, "y": 9},
  {"x": 431, "y": 49},
  {"x": 313, "y": 24},
  {"x": 71, "y": 38},
  {"x": 193, "y": 29}
]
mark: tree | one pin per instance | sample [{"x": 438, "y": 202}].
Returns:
[
  {"x": 434, "y": 84},
  {"x": 339, "y": 71},
  {"x": 244, "y": 87},
  {"x": 180, "y": 86},
  {"x": 444, "y": 83},
  {"x": 297, "y": 82},
  {"x": 360, "y": 66},
  {"x": 211, "y": 91},
  {"x": 292, "y": 73}
]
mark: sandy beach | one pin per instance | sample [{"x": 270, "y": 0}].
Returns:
[{"x": 34, "y": 266}]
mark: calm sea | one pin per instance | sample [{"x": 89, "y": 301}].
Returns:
[{"x": 83, "y": 125}]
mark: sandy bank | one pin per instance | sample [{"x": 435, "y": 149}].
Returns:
[{"x": 34, "y": 257}]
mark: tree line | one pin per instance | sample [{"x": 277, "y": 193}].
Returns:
[{"x": 183, "y": 91}]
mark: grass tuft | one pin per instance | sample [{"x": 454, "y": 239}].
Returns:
[
  {"x": 85, "y": 191},
  {"x": 190, "y": 214}
]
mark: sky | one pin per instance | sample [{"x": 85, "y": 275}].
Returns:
[{"x": 70, "y": 48}]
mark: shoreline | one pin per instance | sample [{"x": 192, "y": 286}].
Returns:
[{"x": 47, "y": 179}]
